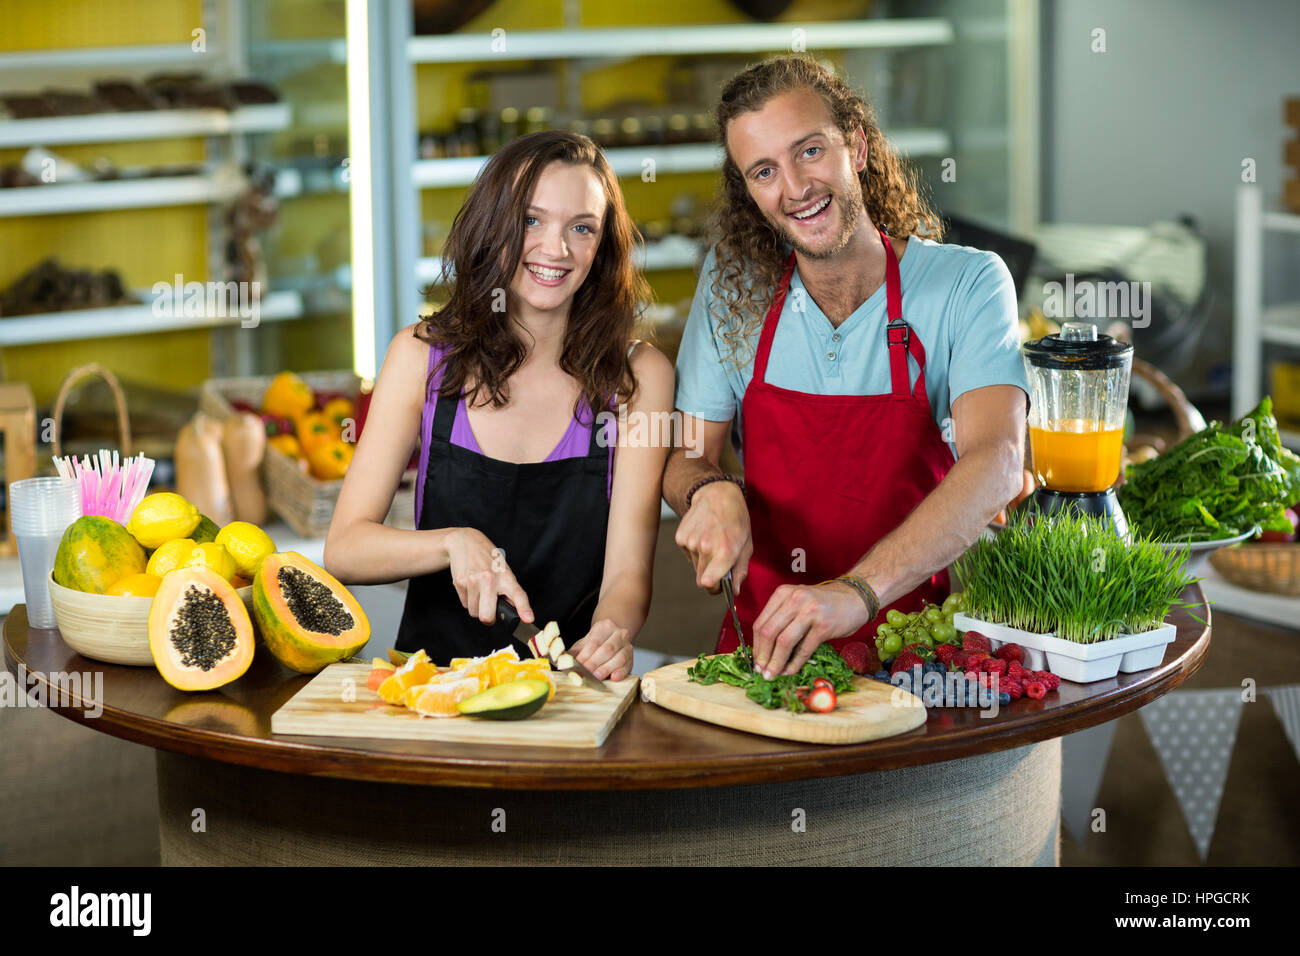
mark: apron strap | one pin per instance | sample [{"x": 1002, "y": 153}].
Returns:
[
  {"x": 898, "y": 334},
  {"x": 770, "y": 321}
]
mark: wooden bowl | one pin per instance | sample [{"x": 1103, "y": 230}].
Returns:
[{"x": 109, "y": 628}]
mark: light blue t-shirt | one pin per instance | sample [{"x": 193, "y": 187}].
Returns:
[{"x": 960, "y": 301}]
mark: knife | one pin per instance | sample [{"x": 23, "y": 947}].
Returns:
[
  {"x": 506, "y": 614},
  {"x": 729, "y": 591}
]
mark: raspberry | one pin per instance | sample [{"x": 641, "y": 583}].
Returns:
[
  {"x": 1047, "y": 679},
  {"x": 1015, "y": 670},
  {"x": 1013, "y": 688},
  {"x": 859, "y": 657},
  {"x": 1010, "y": 652},
  {"x": 974, "y": 641},
  {"x": 994, "y": 666},
  {"x": 905, "y": 661},
  {"x": 972, "y": 675},
  {"x": 1035, "y": 690}
]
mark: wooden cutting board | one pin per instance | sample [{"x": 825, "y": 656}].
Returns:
[
  {"x": 869, "y": 713},
  {"x": 329, "y": 707}
]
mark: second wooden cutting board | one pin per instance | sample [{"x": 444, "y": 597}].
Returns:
[{"x": 874, "y": 710}]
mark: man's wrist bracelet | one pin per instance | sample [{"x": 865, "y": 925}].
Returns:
[
  {"x": 706, "y": 480},
  {"x": 865, "y": 591}
]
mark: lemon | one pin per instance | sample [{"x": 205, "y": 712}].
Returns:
[
  {"x": 161, "y": 517},
  {"x": 170, "y": 556},
  {"x": 136, "y": 585},
  {"x": 214, "y": 556},
  {"x": 248, "y": 545}
]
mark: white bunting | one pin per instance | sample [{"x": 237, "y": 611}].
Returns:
[
  {"x": 1083, "y": 761},
  {"x": 1286, "y": 704},
  {"x": 1193, "y": 732}
]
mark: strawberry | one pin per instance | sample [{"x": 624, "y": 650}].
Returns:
[
  {"x": 975, "y": 641},
  {"x": 1010, "y": 652},
  {"x": 861, "y": 658},
  {"x": 821, "y": 700},
  {"x": 946, "y": 654},
  {"x": 905, "y": 661}
]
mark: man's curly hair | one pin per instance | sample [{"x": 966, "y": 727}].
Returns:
[{"x": 750, "y": 255}]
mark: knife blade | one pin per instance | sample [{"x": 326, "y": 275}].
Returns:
[
  {"x": 507, "y": 614},
  {"x": 729, "y": 591}
]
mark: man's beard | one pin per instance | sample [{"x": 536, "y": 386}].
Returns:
[{"x": 850, "y": 213}]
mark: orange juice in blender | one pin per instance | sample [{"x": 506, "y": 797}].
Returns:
[{"x": 1076, "y": 454}]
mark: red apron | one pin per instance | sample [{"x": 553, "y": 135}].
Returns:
[{"x": 827, "y": 476}]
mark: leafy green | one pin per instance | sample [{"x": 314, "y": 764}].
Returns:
[
  {"x": 782, "y": 690},
  {"x": 1218, "y": 483},
  {"x": 1072, "y": 575}
]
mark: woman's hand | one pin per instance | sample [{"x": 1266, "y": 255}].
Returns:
[
  {"x": 606, "y": 651},
  {"x": 480, "y": 573}
]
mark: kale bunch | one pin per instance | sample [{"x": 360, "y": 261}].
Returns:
[{"x": 1218, "y": 483}]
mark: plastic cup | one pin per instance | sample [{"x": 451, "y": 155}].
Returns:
[{"x": 40, "y": 510}]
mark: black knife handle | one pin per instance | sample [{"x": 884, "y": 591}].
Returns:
[{"x": 506, "y": 613}]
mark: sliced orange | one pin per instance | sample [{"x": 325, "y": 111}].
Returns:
[
  {"x": 537, "y": 668},
  {"x": 505, "y": 654},
  {"x": 440, "y": 700},
  {"x": 417, "y": 670}
]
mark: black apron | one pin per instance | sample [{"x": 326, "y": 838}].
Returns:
[{"x": 549, "y": 518}]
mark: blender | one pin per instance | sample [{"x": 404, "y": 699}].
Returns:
[{"x": 1078, "y": 395}]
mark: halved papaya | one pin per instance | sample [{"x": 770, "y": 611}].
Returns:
[
  {"x": 305, "y": 616},
  {"x": 200, "y": 633}
]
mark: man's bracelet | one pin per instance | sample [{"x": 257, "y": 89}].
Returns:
[
  {"x": 706, "y": 480},
  {"x": 865, "y": 591}
]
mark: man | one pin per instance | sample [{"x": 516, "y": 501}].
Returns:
[{"x": 844, "y": 409}]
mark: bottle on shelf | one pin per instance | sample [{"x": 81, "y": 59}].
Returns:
[{"x": 509, "y": 124}]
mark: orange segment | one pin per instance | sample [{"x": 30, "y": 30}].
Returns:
[
  {"x": 537, "y": 668},
  {"x": 440, "y": 700},
  {"x": 417, "y": 670}
]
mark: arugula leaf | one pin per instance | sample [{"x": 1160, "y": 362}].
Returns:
[{"x": 780, "y": 691}]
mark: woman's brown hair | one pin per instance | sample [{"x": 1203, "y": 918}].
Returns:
[
  {"x": 483, "y": 248},
  {"x": 750, "y": 255}
]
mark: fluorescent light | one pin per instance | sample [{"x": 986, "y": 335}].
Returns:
[{"x": 360, "y": 194}]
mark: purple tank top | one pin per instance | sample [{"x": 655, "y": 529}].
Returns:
[{"x": 574, "y": 443}]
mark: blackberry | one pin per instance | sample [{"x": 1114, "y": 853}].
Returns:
[
  {"x": 201, "y": 630},
  {"x": 312, "y": 604}
]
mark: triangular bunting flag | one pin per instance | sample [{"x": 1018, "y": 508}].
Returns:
[
  {"x": 1193, "y": 732},
  {"x": 1083, "y": 761},
  {"x": 1286, "y": 704}
]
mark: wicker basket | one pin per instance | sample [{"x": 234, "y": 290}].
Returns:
[
  {"x": 1272, "y": 566},
  {"x": 304, "y": 502}
]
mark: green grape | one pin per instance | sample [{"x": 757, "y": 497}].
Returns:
[
  {"x": 892, "y": 644},
  {"x": 895, "y": 617}
]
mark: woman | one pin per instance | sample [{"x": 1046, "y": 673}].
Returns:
[{"x": 537, "y": 333}]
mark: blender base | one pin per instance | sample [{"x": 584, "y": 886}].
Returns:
[{"x": 1100, "y": 504}]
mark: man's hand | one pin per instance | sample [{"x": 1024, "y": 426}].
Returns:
[
  {"x": 606, "y": 651},
  {"x": 714, "y": 534},
  {"x": 798, "y": 619}
]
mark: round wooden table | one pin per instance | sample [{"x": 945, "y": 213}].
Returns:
[{"x": 663, "y": 788}]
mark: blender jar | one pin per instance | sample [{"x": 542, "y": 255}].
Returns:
[{"x": 1078, "y": 393}]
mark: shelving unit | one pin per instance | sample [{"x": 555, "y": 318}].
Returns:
[
  {"x": 131, "y": 320},
  {"x": 397, "y": 200},
  {"x": 143, "y": 125},
  {"x": 616, "y": 42},
  {"x": 1257, "y": 324},
  {"x": 684, "y": 158},
  {"x": 221, "y": 185}
]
